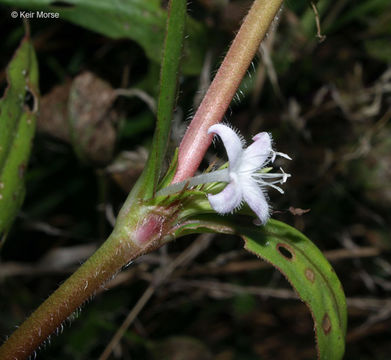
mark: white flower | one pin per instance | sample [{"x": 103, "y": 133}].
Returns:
[{"x": 246, "y": 180}]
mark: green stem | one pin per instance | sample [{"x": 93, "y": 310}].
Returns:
[
  {"x": 220, "y": 93},
  {"x": 123, "y": 245},
  {"x": 169, "y": 74},
  {"x": 142, "y": 229}
]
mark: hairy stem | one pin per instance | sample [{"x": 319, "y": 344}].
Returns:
[
  {"x": 120, "y": 248},
  {"x": 220, "y": 93}
]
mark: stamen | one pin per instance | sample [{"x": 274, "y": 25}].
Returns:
[
  {"x": 280, "y": 179},
  {"x": 271, "y": 175},
  {"x": 286, "y": 156},
  {"x": 275, "y": 182},
  {"x": 275, "y": 153},
  {"x": 275, "y": 187},
  {"x": 285, "y": 175}
]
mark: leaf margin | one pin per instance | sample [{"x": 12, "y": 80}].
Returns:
[
  {"x": 22, "y": 77},
  {"x": 213, "y": 223}
]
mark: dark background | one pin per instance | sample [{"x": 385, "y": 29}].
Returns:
[{"x": 328, "y": 106}]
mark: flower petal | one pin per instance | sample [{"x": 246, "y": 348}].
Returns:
[
  {"x": 231, "y": 140},
  {"x": 227, "y": 200},
  {"x": 257, "y": 153},
  {"x": 255, "y": 198}
]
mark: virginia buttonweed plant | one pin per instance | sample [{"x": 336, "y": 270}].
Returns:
[{"x": 163, "y": 207}]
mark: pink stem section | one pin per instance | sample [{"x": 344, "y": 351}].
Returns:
[{"x": 227, "y": 80}]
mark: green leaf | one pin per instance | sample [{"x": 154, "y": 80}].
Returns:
[
  {"x": 315, "y": 281},
  {"x": 140, "y": 20},
  {"x": 167, "y": 95},
  {"x": 304, "y": 266},
  {"x": 170, "y": 171},
  {"x": 18, "y": 112}
]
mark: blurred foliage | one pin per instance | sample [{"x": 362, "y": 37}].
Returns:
[
  {"x": 18, "y": 114},
  {"x": 328, "y": 106},
  {"x": 139, "y": 20}
]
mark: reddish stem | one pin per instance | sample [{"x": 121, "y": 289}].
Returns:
[
  {"x": 124, "y": 245},
  {"x": 220, "y": 93},
  {"x": 132, "y": 237}
]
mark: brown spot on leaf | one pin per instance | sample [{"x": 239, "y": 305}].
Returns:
[
  {"x": 286, "y": 251},
  {"x": 309, "y": 274},
  {"x": 21, "y": 170},
  {"x": 326, "y": 324}
]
